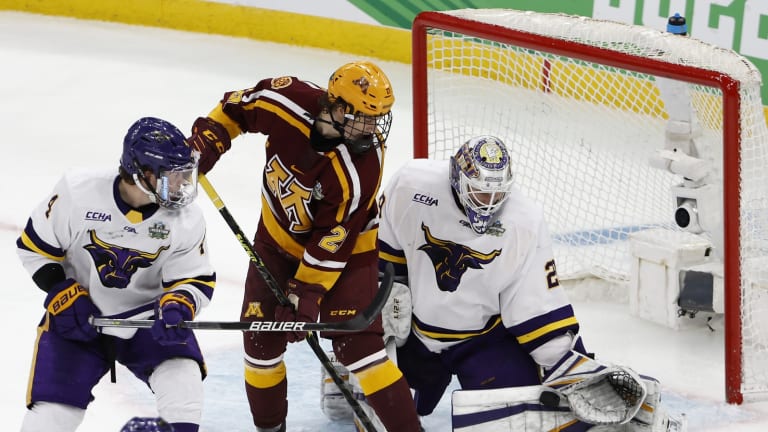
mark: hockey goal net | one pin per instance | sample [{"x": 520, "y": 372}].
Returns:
[{"x": 579, "y": 102}]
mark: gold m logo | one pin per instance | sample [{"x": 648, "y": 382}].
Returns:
[{"x": 254, "y": 309}]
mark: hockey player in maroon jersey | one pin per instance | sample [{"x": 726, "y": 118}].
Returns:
[{"x": 318, "y": 229}]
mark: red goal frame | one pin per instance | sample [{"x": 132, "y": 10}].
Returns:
[{"x": 729, "y": 86}]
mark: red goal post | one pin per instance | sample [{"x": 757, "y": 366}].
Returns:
[{"x": 578, "y": 101}]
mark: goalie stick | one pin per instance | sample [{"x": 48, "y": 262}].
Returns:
[
  {"x": 311, "y": 338},
  {"x": 359, "y": 322}
]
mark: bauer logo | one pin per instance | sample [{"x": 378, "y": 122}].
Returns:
[
  {"x": 424, "y": 199},
  {"x": 98, "y": 216},
  {"x": 278, "y": 326}
]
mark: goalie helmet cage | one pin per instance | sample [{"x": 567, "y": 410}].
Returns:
[{"x": 577, "y": 101}]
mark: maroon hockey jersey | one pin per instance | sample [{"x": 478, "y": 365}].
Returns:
[{"x": 319, "y": 207}]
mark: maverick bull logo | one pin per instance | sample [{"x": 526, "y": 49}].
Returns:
[
  {"x": 117, "y": 264},
  {"x": 451, "y": 260}
]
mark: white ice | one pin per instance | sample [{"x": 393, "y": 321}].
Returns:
[{"x": 70, "y": 89}]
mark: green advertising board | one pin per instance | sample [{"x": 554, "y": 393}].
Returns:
[{"x": 741, "y": 25}]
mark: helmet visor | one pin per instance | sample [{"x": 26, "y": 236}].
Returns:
[{"x": 177, "y": 187}]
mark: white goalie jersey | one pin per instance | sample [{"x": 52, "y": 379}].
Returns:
[
  {"x": 464, "y": 284},
  {"x": 124, "y": 257}
]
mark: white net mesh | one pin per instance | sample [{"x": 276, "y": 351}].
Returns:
[{"x": 582, "y": 133}]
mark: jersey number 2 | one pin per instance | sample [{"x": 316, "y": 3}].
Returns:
[{"x": 552, "y": 280}]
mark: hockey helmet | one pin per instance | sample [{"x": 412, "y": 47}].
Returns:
[
  {"x": 481, "y": 175},
  {"x": 366, "y": 94},
  {"x": 157, "y": 146}
]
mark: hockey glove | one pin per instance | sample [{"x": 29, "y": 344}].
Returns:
[
  {"x": 598, "y": 393},
  {"x": 305, "y": 306},
  {"x": 68, "y": 307},
  {"x": 211, "y": 140},
  {"x": 170, "y": 310}
]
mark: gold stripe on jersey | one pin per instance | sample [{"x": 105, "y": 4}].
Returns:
[
  {"x": 42, "y": 328},
  {"x": 218, "y": 114},
  {"x": 191, "y": 281},
  {"x": 280, "y": 112},
  {"x": 392, "y": 258},
  {"x": 366, "y": 241},
  {"x": 378, "y": 377},
  {"x": 455, "y": 336},
  {"x": 546, "y": 329},
  {"x": 321, "y": 277},
  {"x": 31, "y": 245},
  {"x": 264, "y": 377},
  {"x": 345, "y": 190}
]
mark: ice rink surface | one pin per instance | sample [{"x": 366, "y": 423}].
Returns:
[{"x": 70, "y": 89}]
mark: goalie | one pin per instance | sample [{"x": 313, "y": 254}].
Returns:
[{"x": 479, "y": 298}]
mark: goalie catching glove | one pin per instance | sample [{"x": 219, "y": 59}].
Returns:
[{"x": 597, "y": 393}]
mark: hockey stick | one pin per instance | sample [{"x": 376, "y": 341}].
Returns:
[
  {"x": 358, "y": 323},
  {"x": 311, "y": 338}
]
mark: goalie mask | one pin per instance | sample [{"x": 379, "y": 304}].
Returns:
[
  {"x": 156, "y": 146},
  {"x": 365, "y": 93},
  {"x": 481, "y": 177}
]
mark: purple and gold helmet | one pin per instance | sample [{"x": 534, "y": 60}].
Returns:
[{"x": 481, "y": 175}]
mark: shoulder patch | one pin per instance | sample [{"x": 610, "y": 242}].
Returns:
[
  {"x": 235, "y": 97},
  {"x": 282, "y": 82}
]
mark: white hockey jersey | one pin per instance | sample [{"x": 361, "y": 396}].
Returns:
[
  {"x": 464, "y": 284},
  {"x": 124, "y": 257}
]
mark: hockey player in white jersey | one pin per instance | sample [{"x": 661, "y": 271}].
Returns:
[
  {"x": 127, "y": 244},
  {"x": 476, "y": 256}
]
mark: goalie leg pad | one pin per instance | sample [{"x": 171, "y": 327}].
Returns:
[
  {"x": 598, "y": 393},
  {"x": 332, "y": 402},
  {"x": 510, "y": 409}
]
